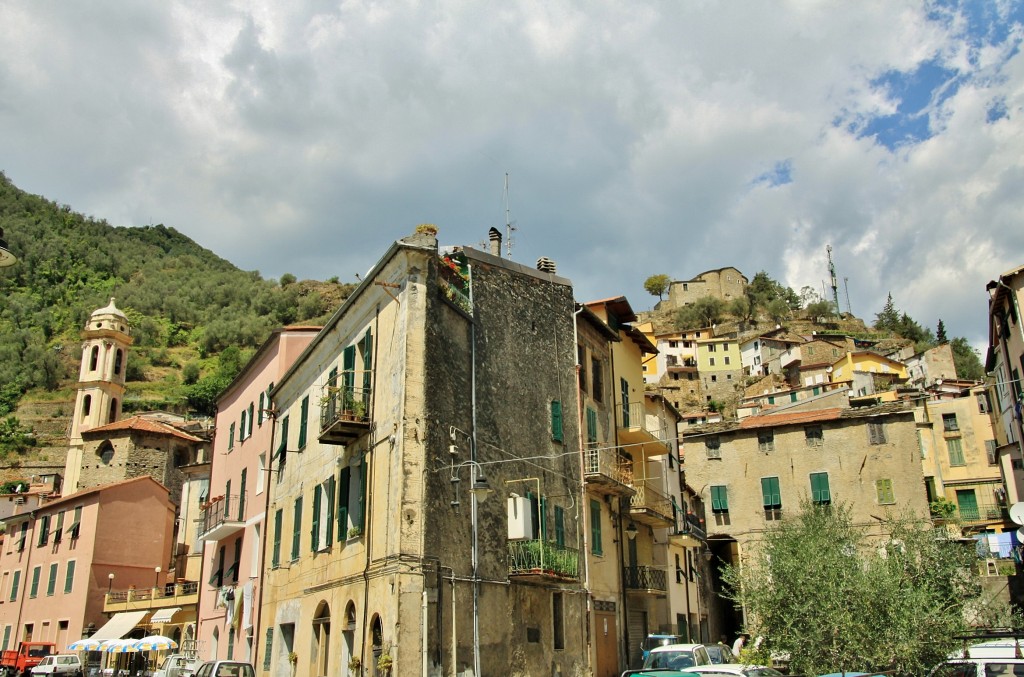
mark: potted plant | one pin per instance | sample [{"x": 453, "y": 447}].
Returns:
[
  {"x": 355, "y": 665},
  {"x": 384, "y": 663},
  {"x": 355, "y": 532}
]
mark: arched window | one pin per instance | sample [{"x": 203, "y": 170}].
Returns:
[
  {"x": 86, "y": 405},
  {"x": 231, "y": 643},
  {"x": 118, "y": 359},
  {"x": 113, "y": 411},
  {"x": 106, "y": 452},
  {"x": 321, "y": 638},
  {"x": 348, "y": 633},
  {"x": 94, "y": 358},
  {"x": 377, "y": 638}
]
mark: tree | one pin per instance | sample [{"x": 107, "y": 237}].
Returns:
[
  {"x": 778, "y": 310},
  {"x": 657, "y": 285},
  {"x": 819, "y": 589},
  {"x": 966, "y": 360},
  {"x": 940, "y": 333},
  {"x": 818, "y": 309},
  {"x": 889, "y": 318},
  {"x": 742, "y": 309}
]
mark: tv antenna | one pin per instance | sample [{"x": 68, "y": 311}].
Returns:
[
  {"x": 509, "y": 228},
  {"x": 832, "y": 277}
]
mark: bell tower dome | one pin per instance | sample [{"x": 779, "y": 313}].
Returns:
[{"x": 105, "y": 342}]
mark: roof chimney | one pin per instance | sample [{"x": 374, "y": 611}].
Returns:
[
  {"x": 495, "y": 237},
  {"x": 546, "y": 265}
]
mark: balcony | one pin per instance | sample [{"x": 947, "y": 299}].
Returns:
[
  {"x": 645, "y": 579},
  {"x": 543, "y": 561},
  {"x": 650, "y": 506},
  {"x": 345, "y": 411},
  {"x": 222, "y": 516},
  {"x": 182, "y": 594},
  {"x": 636, "y": 426},
  {"x": 607, "y": 472},
  {"x": 986, "y": 512},
  {"x": 690, "y": 532}
]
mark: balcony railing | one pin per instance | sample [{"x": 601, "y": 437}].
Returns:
[
  {"x": 222, "y": 516},
  {"x": 645, "y": 578},
  {"x": 634, "y": 416},
  {"x": 453, "y": 283},
  {"x": 689, "y": 525},
  {"x": 543, "y": 558},
  {"x": 179, "y": 594},
  {"x": 982, "y": 513},
  {"x": 608, "y": 468},
  {"x": 650, "y": 506},
  {"x": 345, "y": 409}
]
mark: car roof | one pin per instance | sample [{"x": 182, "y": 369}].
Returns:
[
  {"x": 738, "y": 668},
  {"x": 676, "y": 647}
]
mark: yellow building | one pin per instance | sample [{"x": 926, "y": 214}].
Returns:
[{"x": 868, "y": 372}]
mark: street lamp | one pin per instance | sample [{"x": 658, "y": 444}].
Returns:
[
  {"x": 631, "y": 531},
  {"x": 110, "y": 582},
  {"x": 156, "y": 581},
  {"x": 6, "y": 257}
]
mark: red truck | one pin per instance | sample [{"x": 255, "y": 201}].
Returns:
[{"x": 20, "y": 661}]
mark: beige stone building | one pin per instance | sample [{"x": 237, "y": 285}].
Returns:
[
  {"x": 724, "y": 283},
  {"x": 751, "y": 473},
  {"x": 447, "y": 376},
  {"x": 1005, "y": 362}
]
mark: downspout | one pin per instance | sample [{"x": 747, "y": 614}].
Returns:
[
  {"x": 589, "y": 599},
  {"x": 367, "y": 531},
  {"x": 475, "y": 561},
  {"x": 257, "y": 628},
  {"x": 621, "y": 532}
]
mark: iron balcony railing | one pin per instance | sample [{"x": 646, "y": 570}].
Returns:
[
  {"x": 982, "y": 512},
  {"x": 645, "y": 578},
  {"x": 543, "y": 558},
  {"x": 649, "y": 499},
  {"x": 610, "y": 463},
  {"x": 221, "y": 510},
  {"x": 634, "y": 415},
  {"x": 347, "y": 402}
]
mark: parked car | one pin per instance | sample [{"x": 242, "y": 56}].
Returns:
[
  {"x": 176, "y": 665},
  {"x": 652, "y": 640},
  {"x": 662, "y": 660},
  {"x": 223, "y": 669},
  {"x": 59, "y": 664},
  {"x": 994, "y": 657},
  {"x": 732, "y": 670},
  {"x": 720, "y": 653}
]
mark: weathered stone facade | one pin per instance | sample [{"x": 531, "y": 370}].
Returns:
[{"x": 723, "y": 283}]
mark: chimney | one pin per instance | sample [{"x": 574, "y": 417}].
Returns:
[
  {"x": 546, "y": 265},
  {"x": 494, "y": 235}
]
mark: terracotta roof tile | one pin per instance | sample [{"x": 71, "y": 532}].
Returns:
[
  {"x": 143, "y": 425},
  {"x": 769, "y": 420}
]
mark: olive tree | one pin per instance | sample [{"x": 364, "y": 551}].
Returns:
[
  {"x": 657, "y": 285},
  {"x": 820, "y": 589}
]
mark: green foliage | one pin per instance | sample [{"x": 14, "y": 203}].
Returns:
[
  {"x": 657, "y": 285},
  {"x": 778, "y": 310},
  {"x": 763, "y": 290},
  {"x": 13, "y": 437},
  {"x": 820, "y": 308},
  {"x": 942, "y": 508},
  {"x": 703, "y": 312},
  {"x": 287, "y": 279},
  {"x": 966, "y": 360},
  {"x": 940, "y": 333},
  {"x": 819, "y": 589},
  {"x": 190, "y": 374},
  {"x": 742, "y": 308}
]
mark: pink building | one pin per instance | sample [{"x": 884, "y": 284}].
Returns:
[
  {"x": 56, "y": 560},
  {"x": 232, "y": 521}
]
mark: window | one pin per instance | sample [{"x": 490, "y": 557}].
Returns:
[
  {"x": 820, "y": 493},
  {"x": 560, "y": 526},
  {"x": 711, "y": 347},
  {"x": 680, "y": 574},
  {"x": 624, "y": 394},
  {"x": 34, "y": 590},
  {"x": 259, "y": 412},
  {"x": 596, "y": 377},
  {"x": 268, "y": 645},
  {"x": 813, "y": 436},
  {"x": 956, "y": 451},
  {"x": 275, "y": 557},
  {"x": 323, "y": 515},
  {"x": 243, "y": 425},
  {"x": 58, "y": 530},
  {"x": 949, "y": 423},
  {"x": 766, "y": 440},
  {"x": 990, "y": 451},
  {"x": 69, "y": 577},
  {"x": 719, "y": 499},
  {"x": 252, "y": 412},
  {"x": 983, "y": 404},
  {"x": 581, "y": 360},
  {"x": 232, "y": 571},
  {"x": 713, "y": 446},
  {"x": 711, "y": 361},
  {"x": 557, "y": 621},
  {"x": 344, "y": 483},
  {"x": 44, "y": 530},
  {"x": 282, "y": 448},
  {"x": 967, "y": 501},
  {"x": 241, "y": 495},
  {"x": 296, "y": 528},
  {"x": 303, "y": 422},
  {"x": 217, "y": 577},
  {"x": 76, "y": 523},
  {"x": 876, "y": 433},
  {"x": 15, "y": 584},
  {"x": 86, "y": 405},
  {"x": 94, "y": 358},
  {"x": 883, "y": 489},
  {"x": 771, "y": 497},
  {"x": 231, "y": 437},
  {"x": 596, "y": 546},
  {"x": 591, "y": 427},
  {"x": 727, "y": 359},
  {"x": 556, "y": 420},
  {"x": 51, "y": 583}
]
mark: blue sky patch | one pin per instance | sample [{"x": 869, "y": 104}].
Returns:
[
  {"x": 917, "y": 94},
  {"x": 996, "y": 111},
  {"x": 779, "y": 175}
]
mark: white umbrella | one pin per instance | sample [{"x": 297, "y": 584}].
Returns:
[
  {"x": 120, "y": 646},
  {"x": 155, "y": 643},
  {"x": 87, "y": 645}
]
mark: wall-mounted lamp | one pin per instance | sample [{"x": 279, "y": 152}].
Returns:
[
  {"x": 707, "y": 554},
  {"x": 632, "y": 531},
  {"x": 481, "y": 489},
  {"x": 110, "y": 581},
  {"x": 156, "y": 580}
]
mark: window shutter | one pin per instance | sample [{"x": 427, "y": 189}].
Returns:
[
  {"x": 275, "y": 559},
  {"x": 770, "y": 493},
  {"x": 361, "y": 518},
  {"x": 34, "y": 590},
  {"x": 15, "y": 583},
  {"x": 719, "y": 499},
  {"x": 303, "y": 422},
  {"x": 297, "y": 528},
  {"x": 231, "y": 436},
  {"x": 314, "y": 532},
  {"x": 367, "y": 366},
  {"x": 559, "y": 526},
  {"x": 69, "y": 577},
  {"x": 591, "y": 426},
  {"x": 596, "y": 546},
  {"x": 329, "y": 517},
  {"x": 556, "y": 420},
  {"x": 268, "y": 645},
  {"x": 348, "y": 377},
  {"x": 344, "y": 481},
  {"x": 241, "y": 496},
  {"x": 51, "y": 584},
  {"x": 252, "y": 412}
]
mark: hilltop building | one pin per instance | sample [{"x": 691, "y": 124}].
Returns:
[{"x": 723, "y": 283}]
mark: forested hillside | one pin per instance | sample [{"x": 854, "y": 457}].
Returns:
[{"x": 185, "y": 304}]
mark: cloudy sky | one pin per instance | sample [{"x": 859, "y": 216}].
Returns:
[{"x": 638, "y": 137}]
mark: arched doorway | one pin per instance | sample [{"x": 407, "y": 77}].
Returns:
[
  {"x": 348, "y": 636},
  {"x": 376, "y": 643},
  {"x": 322, "y": 639}
]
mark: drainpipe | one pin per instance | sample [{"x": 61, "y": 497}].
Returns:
[
  {"x": 257, "y": 628},
  {"x": 367, "y": 531},
  {"x": 474, "y": 467},
  {"x": 621, "y": 533},
  {"x": 589, "y": 599}
]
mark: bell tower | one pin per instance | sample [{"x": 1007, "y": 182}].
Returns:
[{"x": 105, "y": 342}]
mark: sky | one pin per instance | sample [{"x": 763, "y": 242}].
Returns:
[{"x": 637, "y": 137}]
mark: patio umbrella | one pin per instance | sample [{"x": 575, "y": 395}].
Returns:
[
  {"x": 87, "y": 645},
  {"x": 155, "y": 643},
  {"x": 120, "y": 646}
]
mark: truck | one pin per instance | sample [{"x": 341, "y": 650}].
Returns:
[
  {"x": 20, "y": 661},
  {"x": 176, "y": 665}
]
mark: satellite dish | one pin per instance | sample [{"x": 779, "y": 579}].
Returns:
[
  {"x": 1020, "y": 533},
  {"x": 1017, "y": 513},
  {"x": 828, "y": 370}
]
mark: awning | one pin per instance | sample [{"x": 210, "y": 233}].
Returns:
[
  {"x": 119, "y": 625},
  {"x": 164, "y": 615}
]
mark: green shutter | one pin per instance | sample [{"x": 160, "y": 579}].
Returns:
[
  {"x": 534, "y": 514},
  {"x": 303, "y": 422},
  {"x": 329, "y": 497},
  {"x": 884, "y": 490},
  {"x": 231, "y": 437},
  {"x": 956, "y": 451},
  {"x": 34, "y": 589},
  {"x": 7, "y": 638},
  {"x": 315, "y": 531},
  {"x": 51, "y": 584},
  {"x": 344, "y": 482},
  {"x": 719, "y": 499},
  {"x": 282, "y": 448},
  {"x": 591, "y": 426},
  {"x": 69, "y": 577},
  {"x": 367, "y": 367},
  {"x": 819, "y": 488},
  {"x": 559, "y": 526},
  {"x": 15, "y": 584},
  {"x": 556, "y": 420},
  {"x": 268, "y": 645},
  {"x": 596, "y": 546},
  {"x": 296, "y": 528},
  {"x": 624, "y": 393},
  {"x": 360, "y": 520},
  {"x": 275, "y": 559},
  {"x": 252, "y": 412},
  {"x": 770, "y": 494},
  {"x": 348, "y": 378},
  {"x": 241, "y": 496}
]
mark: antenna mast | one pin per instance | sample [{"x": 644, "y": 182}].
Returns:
[
  {"x": 846, "y": 286},
  {"x": 832, "y": 276},
  {"x": 509, "y": 228}
]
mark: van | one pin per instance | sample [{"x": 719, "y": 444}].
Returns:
[
  {"x": 59, "y": 664},
  {"x": 994, "y": 658}
]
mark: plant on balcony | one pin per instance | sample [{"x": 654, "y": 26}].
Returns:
[
  {"x": 942, "y": 509},
  {"x": 293, "y": 658},
  {"x": 384, "y": 663},
  {"x": 354, "y": 665},
  {"x": 355, "y": 532}
]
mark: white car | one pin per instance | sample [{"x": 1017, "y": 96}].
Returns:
[
  {"x": 677, "y": 656},
  {"x": 733, "y": 670},
  {"x": 986, "y": 659},
  {"x": 59, "y": 664}
]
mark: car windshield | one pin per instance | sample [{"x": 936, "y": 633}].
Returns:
[
  {"x": 669, "y": 659},
  {"x": 648, "y": 643}
]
